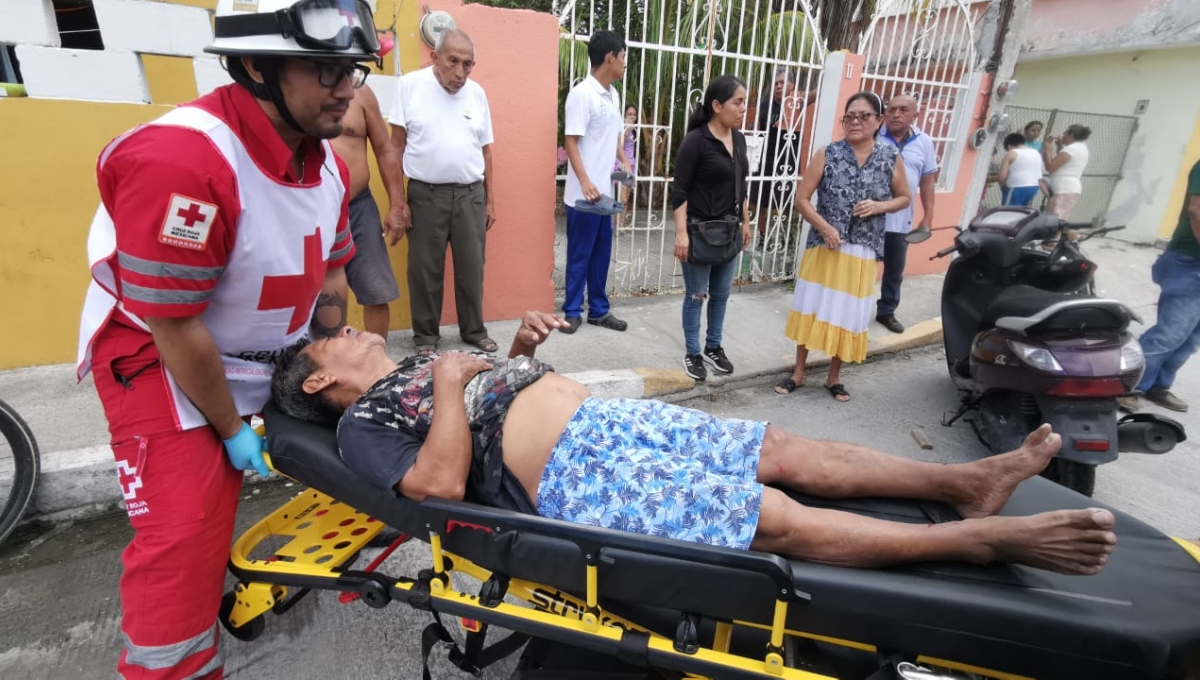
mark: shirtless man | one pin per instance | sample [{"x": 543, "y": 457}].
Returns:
[
  {"x": 433, "y": 426},
  {"x": 370, "y": 271}
]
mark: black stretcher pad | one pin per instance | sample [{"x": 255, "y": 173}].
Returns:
[{"x": 1140, "y": 618}]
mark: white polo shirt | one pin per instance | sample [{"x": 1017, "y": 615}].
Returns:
[
  {"x": 594, "y": 115},
  {"x": 446, "y": 132}
]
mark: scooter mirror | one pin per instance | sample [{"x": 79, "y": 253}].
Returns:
[{"x": 918, "y": 235}]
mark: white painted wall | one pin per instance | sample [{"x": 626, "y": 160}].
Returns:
[
  {"x": 30, "y": 22},
  {"x": 154, "y": 27},
  {"x": 1113, "y": 84},
  {"x": 90, "y": 75}
]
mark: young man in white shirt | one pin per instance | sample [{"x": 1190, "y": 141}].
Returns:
[
  {"x": 592, "y": 137},
  {"x": 442, "y": 128}
]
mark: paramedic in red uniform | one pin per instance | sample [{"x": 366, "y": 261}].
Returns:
[{"x": 220, "y": 240}]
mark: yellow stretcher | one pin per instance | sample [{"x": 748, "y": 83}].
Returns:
[{"x": 594, "y": 603}]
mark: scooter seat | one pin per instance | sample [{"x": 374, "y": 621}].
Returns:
[{"x": 1033, "y": 311}]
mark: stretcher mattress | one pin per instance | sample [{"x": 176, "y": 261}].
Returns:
[{"x": 1140, "y": 618}]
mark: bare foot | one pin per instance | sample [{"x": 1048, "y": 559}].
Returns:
[
  {"x": 1065, "y": 541},
  {"x": 996, "y": 477}
]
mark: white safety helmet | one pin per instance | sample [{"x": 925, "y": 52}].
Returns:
[{"x": 295, "y": 28}]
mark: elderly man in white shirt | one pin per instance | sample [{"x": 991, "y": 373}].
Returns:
[
  {"x": 442, "y": 128},
  {"x": 592, "y": 138}
]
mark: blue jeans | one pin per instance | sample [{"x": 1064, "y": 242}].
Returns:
[
  {"x": 895, "y": 254},
  {"x": 713, "y": 281},
  {"x": 1176, "y": 334},
  {"x": 589, "y": 248}
]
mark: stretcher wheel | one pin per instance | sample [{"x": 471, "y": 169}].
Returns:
[
  {"x": 375, "y": 594},
  {"x": 248, "y": 632}
]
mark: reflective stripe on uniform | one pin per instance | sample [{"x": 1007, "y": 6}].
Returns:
[
  {"x": 166, "y": 269},
  {"x": 167, "y": 656},
  {"x": 164, "y": 297}
]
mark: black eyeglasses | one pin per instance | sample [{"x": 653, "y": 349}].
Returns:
[
  {"x": 855, "y": 116},
  {"x": 330, "y": 74}
]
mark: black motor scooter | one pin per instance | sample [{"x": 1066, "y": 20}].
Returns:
[{"x": 1027, "y": 343}]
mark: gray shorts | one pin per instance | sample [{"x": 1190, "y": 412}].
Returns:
[{"x": 369, "y": 272}]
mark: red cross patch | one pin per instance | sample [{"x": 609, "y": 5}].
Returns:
[
  {"x": 187, "y": 223},
  {"x": 297, "y": 292}
]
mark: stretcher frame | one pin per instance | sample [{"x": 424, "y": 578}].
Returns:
[{"x": 326, "y": 536}]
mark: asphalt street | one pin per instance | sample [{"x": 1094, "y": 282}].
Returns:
[{"x": 58, "y": 585}]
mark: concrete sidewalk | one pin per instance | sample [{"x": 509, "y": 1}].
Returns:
[{"x": 77, "y": 467}]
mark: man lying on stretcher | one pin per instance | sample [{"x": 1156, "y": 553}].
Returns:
[{"x": 514, "y": 434}]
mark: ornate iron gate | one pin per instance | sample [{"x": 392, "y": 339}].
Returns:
[
  {"x": 674, "y": 48},
  {"x": 926, "y": 48}
]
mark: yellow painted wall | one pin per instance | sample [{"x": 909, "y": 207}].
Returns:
[
  {"x": 1190, "y": 155},
  {"x": 48, "y": 196}
]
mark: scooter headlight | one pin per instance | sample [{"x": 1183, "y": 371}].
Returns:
[
  {"x": 1132, "y": 357},
  {"x": 1038, "y": 357}
]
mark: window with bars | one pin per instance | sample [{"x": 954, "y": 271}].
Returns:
[{"x": 77, "y": 25}]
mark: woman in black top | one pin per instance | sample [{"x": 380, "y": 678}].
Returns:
[{"x": 710, "y": 184}]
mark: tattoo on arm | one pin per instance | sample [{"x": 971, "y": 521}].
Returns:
[{"x": 329, "y": 315}]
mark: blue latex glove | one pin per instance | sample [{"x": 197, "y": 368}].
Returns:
[{"x": 245, "y": 450}]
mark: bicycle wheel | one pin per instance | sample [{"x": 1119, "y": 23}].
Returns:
[{"x": 19, "y": 467}]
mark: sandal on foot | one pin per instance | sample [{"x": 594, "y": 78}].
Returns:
[
  {"x": 426, "y": 351},
  {"x": 787, "y": 386},
  {"x": 486, "y": 344},
  {"x": 838, "y": 391}
]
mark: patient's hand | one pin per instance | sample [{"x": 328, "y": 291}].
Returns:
[
  {"x": 458, "y": 368},
  {"x": 536, "y": 327}
]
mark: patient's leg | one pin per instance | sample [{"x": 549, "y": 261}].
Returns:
[
  {"x": 838, "y": 470},
  {"x": 1066, "y": 541}
]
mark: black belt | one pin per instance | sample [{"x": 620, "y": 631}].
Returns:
[{"x": 448, "y": 185}]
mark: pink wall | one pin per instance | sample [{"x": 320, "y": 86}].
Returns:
[
  {"x": 523, "y": 96},
  {"x": 947, "y": 211}
]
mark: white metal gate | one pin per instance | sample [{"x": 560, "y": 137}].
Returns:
[
  {"x": 926, "y": 48},
  {"x": 674, "y": 48}
]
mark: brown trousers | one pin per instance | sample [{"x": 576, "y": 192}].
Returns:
[{"x": 454, "y": 214}]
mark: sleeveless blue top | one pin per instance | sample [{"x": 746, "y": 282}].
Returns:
[{"x": 844, "y": 183}]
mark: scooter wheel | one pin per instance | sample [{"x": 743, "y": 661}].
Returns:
[
  {"x": 1079, "y": 477},
  {"x": 247, "y": 632}
]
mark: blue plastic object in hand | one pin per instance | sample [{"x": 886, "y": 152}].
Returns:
[{"x": 245, "y": 450}]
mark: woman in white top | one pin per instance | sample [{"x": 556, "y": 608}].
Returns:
[
  {"x": 1020, "y": 170},
  {"x": 1065, "y": 163}
]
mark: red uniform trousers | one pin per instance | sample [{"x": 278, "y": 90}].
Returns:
[{"x": 181, "y": 495}]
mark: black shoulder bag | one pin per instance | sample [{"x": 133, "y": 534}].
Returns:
[{"x": 717, "y": 241}]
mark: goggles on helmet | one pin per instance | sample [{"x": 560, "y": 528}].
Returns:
[{"x": 331, "y": 25}]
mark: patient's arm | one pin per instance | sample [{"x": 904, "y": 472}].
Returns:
[
  {"x": 444, "y": 460},
  {"x": 535, "y": 328}
]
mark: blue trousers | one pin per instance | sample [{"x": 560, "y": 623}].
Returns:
[
  {"x": 714, "y": 281},
  {"x": 589, "y": 248},
  {"x": 1022, "y": 196},
  {"x": 895, "y": 255},
  {"x": 1176, "y": 334}
]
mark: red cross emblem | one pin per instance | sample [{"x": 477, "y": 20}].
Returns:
[
  {"x": 191, "y": 216},
  {"x": 129, "y": 479},
  {"x": 297, "y": 292}
]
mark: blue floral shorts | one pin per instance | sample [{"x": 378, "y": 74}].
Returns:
[{"x": 648, "y": 467}]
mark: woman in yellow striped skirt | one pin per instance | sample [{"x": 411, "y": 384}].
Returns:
[{"x": 857, "y": 180}]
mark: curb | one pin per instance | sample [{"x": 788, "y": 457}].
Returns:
[{"x": 79, "y": 483}]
